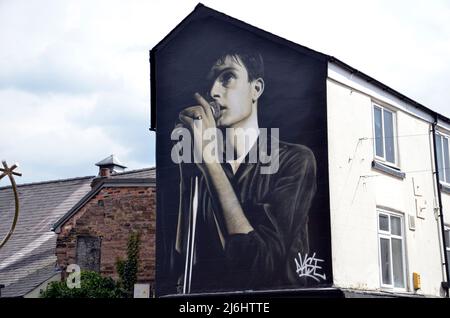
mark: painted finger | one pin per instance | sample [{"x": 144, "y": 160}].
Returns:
[
  {"x": 205, "y": 105},
  {"x": 195, "y": 112},
  {"x": 187, "y": 120}
]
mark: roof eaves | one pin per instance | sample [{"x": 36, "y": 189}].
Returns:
[
  {"x": 386, "y": 88},
  {"x": 77, "y": 206}
]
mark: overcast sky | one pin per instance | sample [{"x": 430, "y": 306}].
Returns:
[{"x": 74, "y": 75}]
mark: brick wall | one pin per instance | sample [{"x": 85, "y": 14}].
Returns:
[{"x": 112, "y": 215}]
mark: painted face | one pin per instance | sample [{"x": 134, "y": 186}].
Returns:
[{"x": 232, "y": 90}]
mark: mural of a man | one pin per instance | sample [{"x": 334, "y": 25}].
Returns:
[{"x": 239, "y": 227}]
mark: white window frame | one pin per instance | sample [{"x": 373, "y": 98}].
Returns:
[
  {"x": 440, "y": 134},
  {"x": 389, "y": 236},
  {"x": 394, "y": 130}
]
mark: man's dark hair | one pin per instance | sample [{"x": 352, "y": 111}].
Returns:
[{"x": 252, "y": 61}]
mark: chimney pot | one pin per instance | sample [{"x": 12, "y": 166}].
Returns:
[
  {"x": 112, "y": 164},
  {"x": 105, "y": 172}
]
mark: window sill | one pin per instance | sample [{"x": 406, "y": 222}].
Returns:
[
  {"x": 445, "y": 188},
  {"x": 398, "y": 292},
  {"x": 388, "y": 170}
]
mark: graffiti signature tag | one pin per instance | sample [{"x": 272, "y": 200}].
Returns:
[{"x": 307, "y": 266}]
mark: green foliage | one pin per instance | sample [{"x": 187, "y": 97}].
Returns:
[
  {"x": 128, "y": 268},
  {"x": 93, "y": 285}
]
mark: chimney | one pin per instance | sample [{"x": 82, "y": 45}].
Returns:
[
  {"x": 105, "y": 172},
  {"x": 111, "y": 163},
  {"x": 107, "y": 167}
]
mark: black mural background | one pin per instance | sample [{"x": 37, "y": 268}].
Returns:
[{"x": 294, "y": 101}]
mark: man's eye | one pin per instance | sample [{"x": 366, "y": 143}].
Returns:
[{"x": 226, "y": 78}]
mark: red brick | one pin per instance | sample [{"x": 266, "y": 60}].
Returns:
[{"x": 125, "y": 210}]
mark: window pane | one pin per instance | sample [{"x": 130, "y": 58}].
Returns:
[
  {"x": 447, "y": 238},
  {"x": 385, "y": 261},
  {"x": 384, "y": 222},
  {"x": 397, "y": 262},
  {"x": 446, "y": 161},
  {"x": 439, "y": 157},
  {"x": 378, "y": 132},
  {"x": 396, "y": 228},
  {"x": 389, "y": 135}
]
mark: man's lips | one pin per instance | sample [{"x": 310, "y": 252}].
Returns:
[{"x": 216, "y": 109}]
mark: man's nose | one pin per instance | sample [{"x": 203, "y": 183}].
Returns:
[{"x": 216, "y": 90}]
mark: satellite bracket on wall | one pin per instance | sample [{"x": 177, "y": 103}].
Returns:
[{"x": 9, "y": 171}]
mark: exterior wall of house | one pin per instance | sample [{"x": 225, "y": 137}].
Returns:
[
  {"x": 357, "y": 190},
  {"x": 112, "y": 215}
]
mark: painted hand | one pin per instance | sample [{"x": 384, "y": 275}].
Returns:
[{"x": 202, "y": 125}]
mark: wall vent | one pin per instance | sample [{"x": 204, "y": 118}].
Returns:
[{"x": 412, "y": 222}]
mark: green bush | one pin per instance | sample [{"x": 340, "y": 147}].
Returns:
[
  {"x": 128, "y": 268},
  {"x": 93, "y": 285}
]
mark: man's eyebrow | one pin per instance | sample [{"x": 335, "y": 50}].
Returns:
[{"x": 216, "y": 71}]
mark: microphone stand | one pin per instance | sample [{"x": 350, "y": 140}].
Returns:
[
  {"x": 187, "y": 220},
  {"x": 193, "y": 208},
  {"x": 192, "y": 216}
]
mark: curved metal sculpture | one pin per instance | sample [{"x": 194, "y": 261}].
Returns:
[{"x": 9, "y": 171}]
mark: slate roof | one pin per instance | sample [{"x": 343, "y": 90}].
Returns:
[
  {"x": 28, "y": 258},
  {"x": 32, "y": 245},
  {"x": 29, "y": 282},
  {"x": 139, "y": 173}
]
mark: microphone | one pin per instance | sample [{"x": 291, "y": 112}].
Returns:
[
  {"x": 215, "y": 109},
  {"x": 178, "y": 132}
]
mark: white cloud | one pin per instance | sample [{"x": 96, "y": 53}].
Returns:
[
  {"x": 74, "y": 75},
  {"x": 43, "y": 131}
]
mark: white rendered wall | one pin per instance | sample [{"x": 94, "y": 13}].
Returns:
[{"x": 356, "y": 189}]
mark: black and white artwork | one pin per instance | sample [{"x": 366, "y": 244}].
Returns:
[{"x": 241, "y": 161}]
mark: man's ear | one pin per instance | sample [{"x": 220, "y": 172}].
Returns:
[{"x": 258, "y": 88}]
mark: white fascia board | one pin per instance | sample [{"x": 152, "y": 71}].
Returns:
[{"x": 344, "y": 77}]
